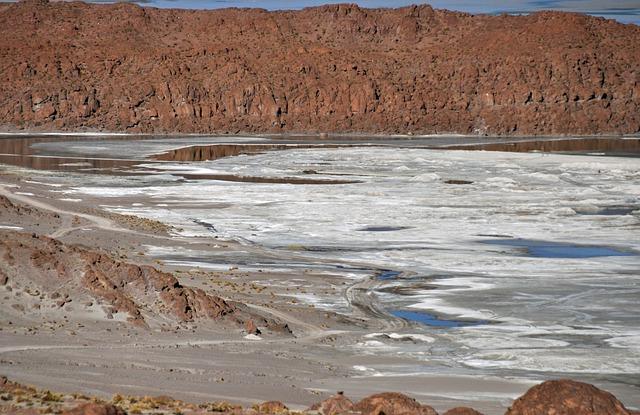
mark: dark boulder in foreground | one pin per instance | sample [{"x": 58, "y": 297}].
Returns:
[
  {"x": 567, "y": 397},
  {"x": 335, "y": 68}
]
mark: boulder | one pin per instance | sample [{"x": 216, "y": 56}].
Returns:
[
  {"x": 567, "y": 397},
  {"x": 337, "y": 404},
  {"x": 391, "y": 403},
  {"x": 251, "y": 328}
]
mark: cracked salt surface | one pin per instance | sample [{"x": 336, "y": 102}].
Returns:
[{"x": 568, "y": 314}]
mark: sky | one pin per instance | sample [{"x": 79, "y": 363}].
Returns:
[{"x": 626, "y": 11}]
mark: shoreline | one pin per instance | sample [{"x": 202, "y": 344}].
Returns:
[{"x": 301, "y": 134}]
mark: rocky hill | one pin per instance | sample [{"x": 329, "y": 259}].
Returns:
[
  {"x": 337, "y": 68},
  {"x": 92, "y": 285}
]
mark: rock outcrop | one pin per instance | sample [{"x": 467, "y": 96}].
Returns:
[
  {"x": 567, "y": 397},
  {"x": 336, "y": 68},
  {"x": 335, "y": 405},
  {"x": 390, "y": 403},
  {"x": 68, "y": 273}
]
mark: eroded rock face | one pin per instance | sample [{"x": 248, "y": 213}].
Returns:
[
  {"x": 392, "y": 404},
  {"x": 123, "y": 287},
  {"x": 120, "y": 67},
  {"x": 567, "y": 397}
]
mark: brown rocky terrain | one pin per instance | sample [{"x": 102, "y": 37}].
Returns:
[
  {"x": 548, "y": 398},
  {"x": 567, "y": 397},
  {"x": 338, "y": 68},
  {"x": 60, "y": 276},
  {"x": 59, "y": 270}
]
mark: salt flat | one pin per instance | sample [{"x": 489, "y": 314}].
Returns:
[{"x": 479, "y": 250}]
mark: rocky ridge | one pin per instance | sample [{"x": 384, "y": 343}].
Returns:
[
  {"x": 121, "y": 287},
  {"x": 68, "y": 277},
  {"x": 57, "y": 276},
  {"x": 337, "y": 68}
]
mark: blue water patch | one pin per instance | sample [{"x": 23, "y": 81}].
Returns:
[
  {"x": 545, "y": 249},
  {"x": 388, "y": 275},
  {"x": 432, "y": 320}
]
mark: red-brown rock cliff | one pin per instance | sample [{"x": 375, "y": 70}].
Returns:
[{"x": 338, "y": 68}]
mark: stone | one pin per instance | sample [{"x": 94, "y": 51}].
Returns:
[
  {"x": 391, "y": 403},
  {"x": 335, "y": 405},
  {"x": 251, "y": 328},
  {"x": 566, "y": 397}
]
